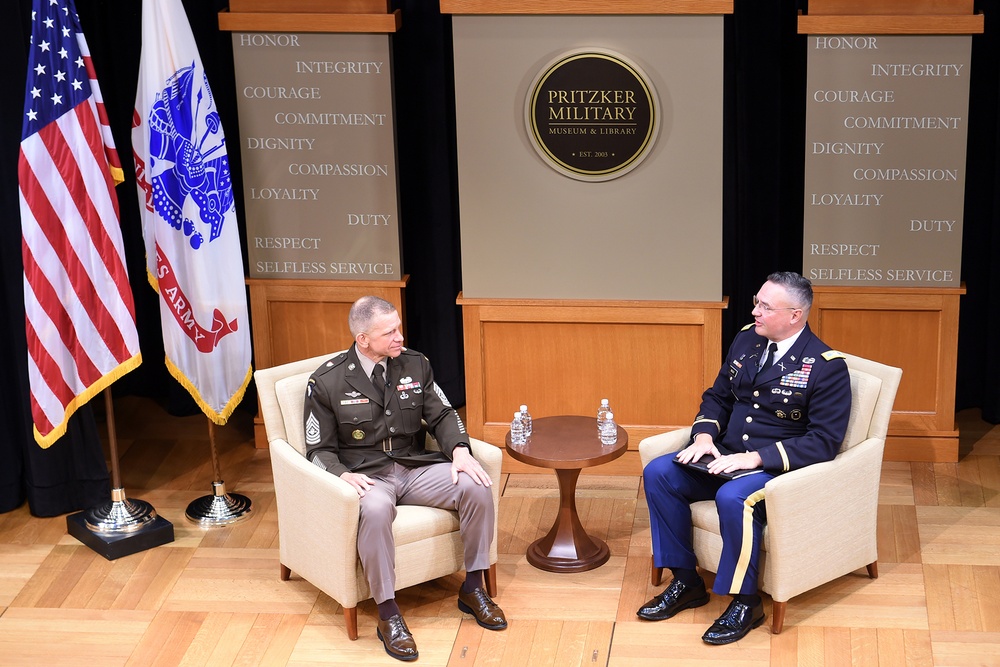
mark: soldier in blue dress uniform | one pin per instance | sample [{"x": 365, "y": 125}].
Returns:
[{"x": 781, "y": 401}]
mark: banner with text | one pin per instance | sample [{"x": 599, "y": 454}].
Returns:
[
  {"x": 886, "y": 130},
  {"x": 319, "y": 156}
]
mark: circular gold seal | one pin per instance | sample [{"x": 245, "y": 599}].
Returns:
[
  {"x": 592, "y": 114},
  {"x": 358, "y": 434},
  {"x": 796, "y": 414}
]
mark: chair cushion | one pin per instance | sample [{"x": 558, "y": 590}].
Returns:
[
  {"x": 414, "y": 523},
  {"x": 865, "y": 389}
]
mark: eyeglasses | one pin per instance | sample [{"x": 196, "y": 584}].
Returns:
[{"x": 757, "y": 303}]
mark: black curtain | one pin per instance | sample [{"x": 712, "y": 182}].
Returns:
[
  {"x": 762, "y": 210},
  {"x": 765, "y": 141},
  {"x": 425, "y": 122},
  {"x": 979, "y": 321}
]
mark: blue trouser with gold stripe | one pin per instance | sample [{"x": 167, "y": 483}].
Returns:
[{"x": 670, "y": 490}]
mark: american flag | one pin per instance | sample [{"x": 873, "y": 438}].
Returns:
[{"x": 79, "y": 313}]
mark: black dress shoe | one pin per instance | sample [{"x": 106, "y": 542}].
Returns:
[
  {"x": 675, "y": 598},
  {"x": 396, "y": 638},
  {"x": 488, "y": 614},
  {"x": 734, "y": 624}
]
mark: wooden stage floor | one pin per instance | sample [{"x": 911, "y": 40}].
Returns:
[{"x": 212, "y": 597}]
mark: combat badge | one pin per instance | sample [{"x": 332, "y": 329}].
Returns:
[{"x": 358, "y": 434}]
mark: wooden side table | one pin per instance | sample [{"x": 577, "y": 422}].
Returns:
[{"x": 567, "y": 444}]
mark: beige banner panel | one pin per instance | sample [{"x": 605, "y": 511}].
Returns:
[
  {"x": 531, "y": 232},
  {"x": 885, "y": 149},
  {"x": 319, "y": 161}
]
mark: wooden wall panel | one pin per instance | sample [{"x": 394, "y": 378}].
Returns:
[
  {"x": 302, "y": 329},
  {"x": 918, "y": 388},
  {"x": 915, "y": 329},
  {"x": 891, "y": 17},
  {"x": 568, "y": 367},
  {"x": 652, "y": 359},
  {"x": 298, "y": 319}
]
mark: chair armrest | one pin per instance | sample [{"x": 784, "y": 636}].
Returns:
[
  {"x": 489, "y": 456},
  {"x": 841, "y": 496},
  {"x": 317, "y": 521},
  {"x": 657, "y": 445}
]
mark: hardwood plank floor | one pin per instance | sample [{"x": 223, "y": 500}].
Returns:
[{"x": 212, "y": 597}]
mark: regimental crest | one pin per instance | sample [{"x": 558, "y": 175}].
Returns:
[{"x": 188, "y": 157}]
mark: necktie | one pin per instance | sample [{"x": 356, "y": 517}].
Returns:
[
  {"x": 378, "y": 378},
  {"x": 769, "y": 360}
]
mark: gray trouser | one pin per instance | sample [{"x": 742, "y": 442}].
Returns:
[{"x": 431, "y": 486}]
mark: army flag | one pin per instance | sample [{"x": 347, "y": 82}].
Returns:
[
  {"x": 193, "y": 255},
  {"x": 79, "y": 311}
]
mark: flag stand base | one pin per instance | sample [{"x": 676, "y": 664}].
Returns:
[
  {"x": 120, "y": 528},
  {"x": 220, "y": 508}
]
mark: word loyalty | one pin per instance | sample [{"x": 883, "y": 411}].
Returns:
[{"x": 839, "y": 199}]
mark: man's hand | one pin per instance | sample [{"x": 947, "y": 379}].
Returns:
[
  {"x": 359, "y": 481},
  {"x": 703, "y": 444},
  {"x": 741, "y": 461},
  {"x": 462, "y": 460}
]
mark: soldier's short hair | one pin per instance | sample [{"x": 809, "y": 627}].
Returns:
[
  {"x": 799, "y": 288},
  {"x": 364, "y": 311}
]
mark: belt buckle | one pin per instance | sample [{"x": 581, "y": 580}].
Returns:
[{"x": 385, "y": 442}]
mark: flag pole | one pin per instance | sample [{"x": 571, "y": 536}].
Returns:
[
  {"x": 122, "y": 526},
  {"x": 219, "y": 508},
  {"x": 122, "y": 514}
]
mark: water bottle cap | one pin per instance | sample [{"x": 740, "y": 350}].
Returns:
[
  {"x": 517, "y": 415},
  {"x": 609, "y": 416},
  {"x": 524, "y": 408},
  {"x": 604, "y": 401}
]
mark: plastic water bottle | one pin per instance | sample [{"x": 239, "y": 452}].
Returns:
[
  {"x": 517, "y": 436},
  {"x": 526, "y": 421},
  {"x": 609, "y": 430},
  {"x": 601, "y": 411}
]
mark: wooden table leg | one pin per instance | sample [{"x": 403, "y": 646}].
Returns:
[{"x": 567, "y": 547}]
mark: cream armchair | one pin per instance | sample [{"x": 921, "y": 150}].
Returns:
[
  {"x": 318, "y": 512},
  {"x": 821, "y": 519}
]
